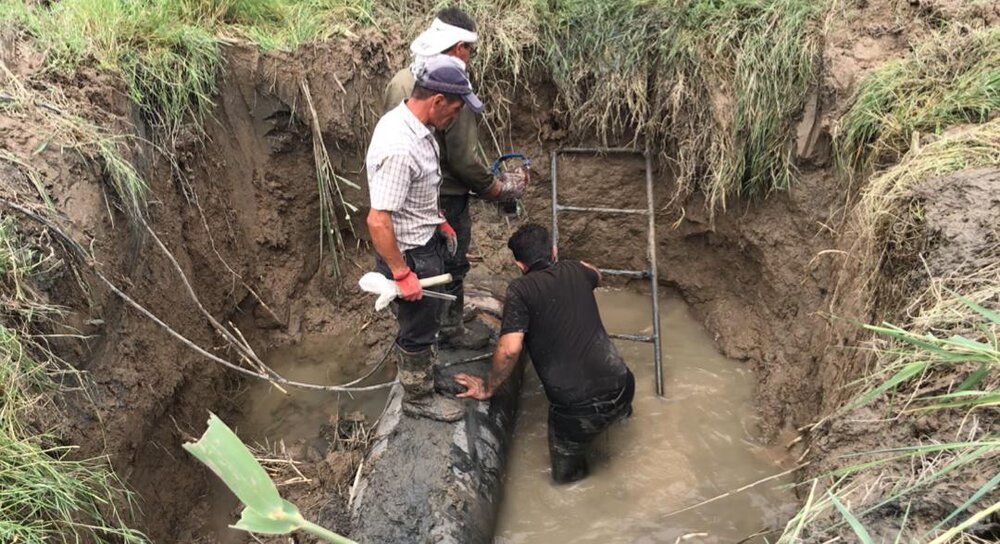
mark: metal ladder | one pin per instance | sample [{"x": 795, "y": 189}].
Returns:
[{"x": 650, "y": 273}]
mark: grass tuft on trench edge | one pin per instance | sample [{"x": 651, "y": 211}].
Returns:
[
  {"x": 46, "y": 494},
  {"x": 712, "y": 87},
  {"x": 944, "y": 363},
  {"x": 953, "y": 78}
]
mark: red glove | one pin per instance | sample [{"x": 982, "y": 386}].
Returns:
[
  {"x": 408, "y": 285},
  {"x": 450, "y": 237}
]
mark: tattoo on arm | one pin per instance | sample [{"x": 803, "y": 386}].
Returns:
[
  {"x": 501, "y": 371},
  {"x": 504, "y": 360}
]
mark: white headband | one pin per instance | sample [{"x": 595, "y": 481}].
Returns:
[{"x": 440, "y": 37}]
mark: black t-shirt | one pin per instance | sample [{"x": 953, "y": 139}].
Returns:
[{"x": 554, "y": 306}]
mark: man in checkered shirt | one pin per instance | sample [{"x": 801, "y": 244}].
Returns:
[{"x": 406, "y": 226}]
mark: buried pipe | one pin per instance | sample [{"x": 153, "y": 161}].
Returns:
[{"x": 426, "y": 480}]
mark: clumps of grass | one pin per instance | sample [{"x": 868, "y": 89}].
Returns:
[
  {"x": 737, "y": 73},
  {"x": 169, "y": 53},
  {"x": 947, "y": 365},
  {"x": 943, "y": 367},
  {"x": 712, "y": 86},
  {"x": 45, "y": 495},
  {"x": 953, "y": 78}
]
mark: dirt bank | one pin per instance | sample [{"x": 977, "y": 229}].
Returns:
[
  {"x": 238, "y": 210},
  {"x": 955, "y": 242}
]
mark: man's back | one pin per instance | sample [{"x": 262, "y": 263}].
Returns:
[{"x": 555, "y": 307}]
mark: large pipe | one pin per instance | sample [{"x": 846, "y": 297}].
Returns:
[{"x": 428, "y": 481}]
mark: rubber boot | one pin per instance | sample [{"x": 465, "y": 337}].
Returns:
[
  {"x": 454, "y": 333},
  {"x": 416, "y": 374}
]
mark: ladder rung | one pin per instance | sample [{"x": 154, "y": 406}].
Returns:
[
  {"x": 630, "y": 273},
  {"x": 632, "y": 211},
  {"x": 634, "y": 337}
]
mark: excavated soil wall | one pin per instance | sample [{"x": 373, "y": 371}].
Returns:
[{"x": 239, "y": 211}]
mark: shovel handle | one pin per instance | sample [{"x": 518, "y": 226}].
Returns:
[{"x": 435, "y": 280}]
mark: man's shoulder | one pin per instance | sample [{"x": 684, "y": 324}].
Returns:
[
  {"x": 569, "y": 264},
  {"x": 399, "y": 87},
  {"x": 391, "y": 129}
]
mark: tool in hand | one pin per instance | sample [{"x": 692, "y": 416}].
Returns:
[
  {"x": 509, "y": 208},
  {"x": 386, "y": 289}
]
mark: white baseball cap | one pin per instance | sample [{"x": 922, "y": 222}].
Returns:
[{"x": 440, "y": 37}]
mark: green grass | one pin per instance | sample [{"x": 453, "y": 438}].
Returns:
[
  {"x": 944, "y": 365},
  {"x": 951, "y": 79},
  {"x": 169, "y": 53},
  {"x": 45, "y": 494},
  {"x": 925, "y": 371},
  {"x": 710, "y": 85}
]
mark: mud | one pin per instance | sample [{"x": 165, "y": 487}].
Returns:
[
  {"x": 695, "y": 444},
  {"x": 240, "y": 214},
  {"x": 314, "y": 439}
]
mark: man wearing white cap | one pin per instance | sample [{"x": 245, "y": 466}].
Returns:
[
  {"x": 453, "y": 34},
  {"x": 404, "y": 179}
]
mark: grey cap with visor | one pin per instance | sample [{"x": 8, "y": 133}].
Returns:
[{"x": 446, "y": 75}]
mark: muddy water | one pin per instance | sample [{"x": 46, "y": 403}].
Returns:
[
  {"x": 673, "y": 453},
  {"x": 271, "y": 417}
]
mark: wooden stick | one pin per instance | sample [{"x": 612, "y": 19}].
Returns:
[{"x": 81, "y": 254}]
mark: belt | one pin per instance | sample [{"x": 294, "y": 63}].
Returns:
[{"x": 596, "y": 406}]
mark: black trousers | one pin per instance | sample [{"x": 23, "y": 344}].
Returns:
[
  {"x": 573, "y": 428},
  {"x": 419, "y": 321},
  {"x": 456, "y": 211}
]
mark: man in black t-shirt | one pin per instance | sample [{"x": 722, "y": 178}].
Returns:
[{"x": 553, "y": 308}]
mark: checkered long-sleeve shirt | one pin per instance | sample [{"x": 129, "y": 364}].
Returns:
[{"x": 404, "y": 176}]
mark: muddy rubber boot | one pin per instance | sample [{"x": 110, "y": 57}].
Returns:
[
  {"x": 454, "y": 333},
  {"x": 419, "y": 397}
]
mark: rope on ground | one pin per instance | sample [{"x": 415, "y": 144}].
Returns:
[
  {"x": 267, "y": 374},
  {"x": 735, "y": 491}
]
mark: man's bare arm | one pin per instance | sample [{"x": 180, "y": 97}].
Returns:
[
  {"x": 505, "y": 358},
  {"x": 384, "y": 239}
]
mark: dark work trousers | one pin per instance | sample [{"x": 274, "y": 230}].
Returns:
[
  {"x": 456, "y": 211},
  {"x": 573, "y": 428},
  {"x": 419, "y": 321}
]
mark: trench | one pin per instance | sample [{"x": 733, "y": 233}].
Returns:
[
  {"x": 743, "y": 280},
  {"x": 696, "y": 443}
]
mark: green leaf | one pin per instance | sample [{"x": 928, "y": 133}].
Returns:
[
  {"x": 978, "y": 399},
  {"x": 223, "y": 452},
  {"x": 987, "y": 487},
  {"x": 856, "y": 526},
  {"x": 278, "y": 522},
  {"x": 266, "y": 512},
  {"x": 974, "y": 378},
  {"x": 906, "y": 373},
  {"x": 985, "y": 312}
]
